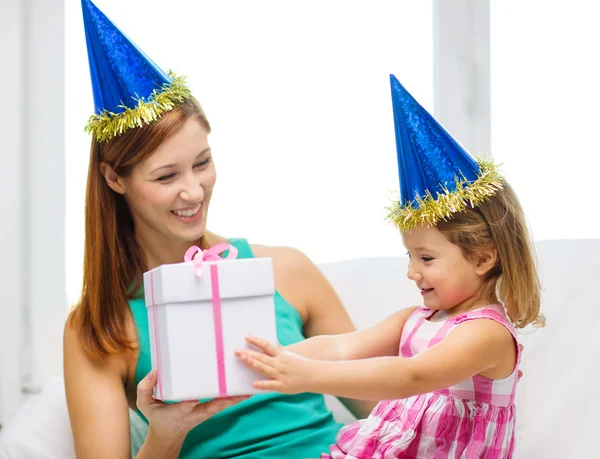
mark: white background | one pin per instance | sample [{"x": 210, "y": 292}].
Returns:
[
  {"x": 301, "y": 112},
  {"x": 545, "y": 117},
  {"x": 298, "y": 96}
]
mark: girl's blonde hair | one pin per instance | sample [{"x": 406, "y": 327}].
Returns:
[{"x": 499, "y": 224}]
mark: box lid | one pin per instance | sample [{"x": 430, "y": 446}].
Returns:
[{"x": 176, "y": 283}]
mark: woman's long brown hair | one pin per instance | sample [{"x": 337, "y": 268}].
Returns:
[{"x": 113, "y": 261}]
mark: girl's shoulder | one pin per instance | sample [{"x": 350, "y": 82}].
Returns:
[{"x": 494, "y": 312}]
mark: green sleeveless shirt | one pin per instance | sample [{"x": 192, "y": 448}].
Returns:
[{"x": 273, "y": 426}]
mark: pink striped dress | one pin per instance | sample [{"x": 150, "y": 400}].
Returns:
[{"x": 473, "y": 419}]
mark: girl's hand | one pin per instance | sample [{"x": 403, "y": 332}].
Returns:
[
  {"x": 176, "y": 419},
  {"x": 288, "y": 373}
]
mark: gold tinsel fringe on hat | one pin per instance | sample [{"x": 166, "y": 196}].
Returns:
[
  {"x": 428, "y": 211},
  {"x": 107, "y": 125}
]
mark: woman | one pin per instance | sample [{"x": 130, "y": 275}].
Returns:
[{"x": 150, "y": 182}]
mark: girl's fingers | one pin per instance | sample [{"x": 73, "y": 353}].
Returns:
[
  {"x": 258, "y": 366},
  {"x": 267, "y": 385},
  {"x": 254, "y": 355},
  {"x": 263, "y": 344}
]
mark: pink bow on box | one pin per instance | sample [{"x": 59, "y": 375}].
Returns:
[{"x": 197, "y": 256}]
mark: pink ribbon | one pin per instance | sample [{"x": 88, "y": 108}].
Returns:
[
  {"x": 197, "y": 256},
  {"x": 156, "y": 345}
]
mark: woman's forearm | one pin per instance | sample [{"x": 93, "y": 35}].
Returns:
[
  {"x": 157, "y": 445},
  {"x": 323, "y": 347}
]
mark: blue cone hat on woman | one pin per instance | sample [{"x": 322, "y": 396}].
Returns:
[{"x": 129, "y": 89}]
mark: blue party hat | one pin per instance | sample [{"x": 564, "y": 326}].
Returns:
[
  {"x": 129, "y": 89},
  {"x": 437, "y": 176}
]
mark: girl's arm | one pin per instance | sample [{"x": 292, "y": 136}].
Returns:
[
  {"x": 303, "y": 285},
  {"x": 473, "y": 347},
  {"x": 382, "y": 339},
  {"x": 379, "y": 340}
]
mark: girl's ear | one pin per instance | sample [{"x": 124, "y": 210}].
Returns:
[
  {"x": 112, "y": 179},
  {"x": 486, "y": 260}
]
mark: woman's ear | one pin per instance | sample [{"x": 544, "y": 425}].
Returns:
[
  {"x": 112, "y": 179},
  {"x": 486, "y": 260}
]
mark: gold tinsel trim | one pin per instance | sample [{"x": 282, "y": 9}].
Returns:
[
  {"x": 107, "y": 125},
  {"x": 429, "y": 211}
]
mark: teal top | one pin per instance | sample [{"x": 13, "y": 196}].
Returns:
[{"x": 266, "y": 425}]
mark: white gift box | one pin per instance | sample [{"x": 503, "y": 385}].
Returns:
[{"x": 197, "y": 321}]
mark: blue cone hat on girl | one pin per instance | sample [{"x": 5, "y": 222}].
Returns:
[{"x": 437, "y": 175}]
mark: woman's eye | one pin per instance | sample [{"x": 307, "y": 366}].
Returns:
[
  {"x": 164, "y": 178},
  {"x": 201, "y": 164}
]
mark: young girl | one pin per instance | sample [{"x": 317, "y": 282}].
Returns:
[{"x": 446, "y": 372}]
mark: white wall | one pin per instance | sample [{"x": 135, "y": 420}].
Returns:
[
  {"x": 45, "y": 205},
  {"x": 33, "y": 294},
  {"x": 302, "y": 134},
  {"x": 461, "y": 69},
  {"x": 299, "y": 99},
  {"x": 11, "y": 238},
  {"x": 545, "y": 116},
  {"x": 298, "y": 96}
]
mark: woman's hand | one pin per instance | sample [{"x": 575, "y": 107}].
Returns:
[
  {"x": 176, "y": 419},
  {"x": 288, "y": 373}
]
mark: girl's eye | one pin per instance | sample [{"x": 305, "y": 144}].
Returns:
[
  {"x": 202, "y": 163},
  {"x": 426, "y": 259}
]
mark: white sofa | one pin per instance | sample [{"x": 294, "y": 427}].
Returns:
[{"x": 558, "y": 408}]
